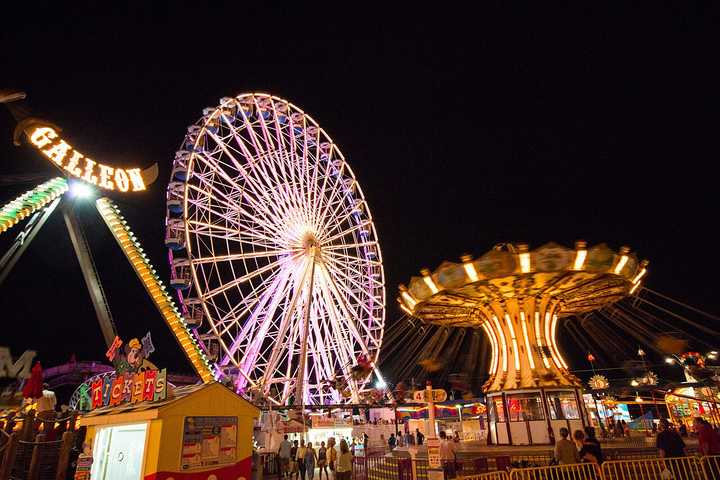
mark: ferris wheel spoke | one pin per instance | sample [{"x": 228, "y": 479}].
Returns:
[
  {"x": 341, "y": 301},
  {"x": 343, "y": 342},
  {"x": 336, "y": 188},
  {"x": 320, "y": 346},
  {"x": 261, "y": 327},
  {"x": 243, "y": 256},
  {"x": 347, "y": 231},
  {"x": 348, "y": 291},
  {"x": 250, "y": 180},
  {"x": 352, "y": 259},
  {"x": 246, "y": 305},
  {"x": 348, "y": 246},
  {"x": 248, "y": 276},
  {"x": 352, "y": 267},
  {"x": 257, "y": 205},
  {"x": 206, "y": 229},
  {"x": 272, "y": 362}
]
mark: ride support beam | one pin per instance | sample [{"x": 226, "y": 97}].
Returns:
[
  {"x": 24, "y": 238},
  {"x": 90, "y": 274}
]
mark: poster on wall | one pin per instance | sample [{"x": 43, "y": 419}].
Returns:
[{"x": 209, "y": 441}]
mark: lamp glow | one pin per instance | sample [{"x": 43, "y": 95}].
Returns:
[
  {"x": 429, "y": 282},
  {"x": 621, "y": 264},
  {"x": 669, "y": 360},
  {"x": 640, "y": 274},
  {"x": 80, "y": 190},
  {"x": 524, "y": 262},
  {"x": 471, "y": 272},
  {"x": 580, "y": 259}
]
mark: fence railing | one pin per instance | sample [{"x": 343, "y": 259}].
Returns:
[
  {"x": 497, "y": 475},
  {"x": 679, "y": 468},
  {"x": 577, "y": 471},
  {"x": 711, "y": 466}
]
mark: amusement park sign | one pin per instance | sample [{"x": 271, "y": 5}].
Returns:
[
  {"x": 47, "y": 140},
  {"x": 20, "y": 368}
]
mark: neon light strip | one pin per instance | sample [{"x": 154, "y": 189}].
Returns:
[
  {"x": 548, "y": 340},
  {"x": 493, "y": 343},
  {"x": 538, "y": 337},
  {"x": 554, "y": 343},
  {"x": 141, "y": 264},
  {"x": 503, "y": 342},
  {"x": 513, "y": 339},
  {"x": 523, "y": 323},
  {"x": 30, "y": 202}
]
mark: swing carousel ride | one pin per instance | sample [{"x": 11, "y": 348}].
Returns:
[
  {"x": 516, "y": 296},
  {"x": 518, "y": 299}
]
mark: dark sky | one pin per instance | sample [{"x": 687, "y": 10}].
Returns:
[{"x": 465, "y": 129}]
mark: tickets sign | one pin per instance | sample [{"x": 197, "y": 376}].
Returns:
[
  {"x": 52, "y": 146},
  {"x": 117, "y": 389}
]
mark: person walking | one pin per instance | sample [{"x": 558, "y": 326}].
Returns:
[
  {"x": 300, "y": 458},
  {"x": 419, "y": 437},
  {"x": 344, "y": 463},
  {"x": 708, "y": 439},
  {"x": 590, "y": 438},
  {"x": 447, "y": 455},
  {"x": 392, "y": 441},
  {"x": 284, "y": 456},
  {"x": 322, "y": 461},
  {"x": 565, "y": 451},
  {"x": 310, "y": 460},
  {"x": 332, "y": 456},
  {"x": 293, "y": 460},
  {"x": 668, "y": 442},
  {"x": 587, "y": 451}
]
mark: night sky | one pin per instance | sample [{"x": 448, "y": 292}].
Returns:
[{"x": 465, "y": 129}]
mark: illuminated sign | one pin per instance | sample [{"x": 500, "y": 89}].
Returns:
[
  {"x": 47, "y": 140},
  {"x": 117, "y": 389},
  {"x": 17, "y": 369}
]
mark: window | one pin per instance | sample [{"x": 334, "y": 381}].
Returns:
[
  {"x": 563, "y": 405},
  {"x": 525, "y": 406},
  {"x": 497, "y": 412}
]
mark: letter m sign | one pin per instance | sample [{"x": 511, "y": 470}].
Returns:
[{"x": 18, "y": 369}]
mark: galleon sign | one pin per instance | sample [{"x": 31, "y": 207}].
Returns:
[{"x": 48, "y": 141}]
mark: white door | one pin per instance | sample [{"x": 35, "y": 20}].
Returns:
[{"x": 119, "y": 452}]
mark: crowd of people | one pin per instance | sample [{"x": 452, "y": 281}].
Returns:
[
  {"x": 585, "y": 447},
  {"x": 298, "y": 460}
]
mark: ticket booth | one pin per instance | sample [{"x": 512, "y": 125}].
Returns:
[{"x": 198, "y": 432}]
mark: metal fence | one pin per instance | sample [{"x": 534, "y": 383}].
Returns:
[
  {"x": 578, "y": 471},
  {"x": 711, "y": 466},
  {"x": 680, "y": 468},
  {"x": 497, "y": 475}
]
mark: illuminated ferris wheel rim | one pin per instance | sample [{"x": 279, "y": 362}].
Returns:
[{"x": 331, "y": 289}]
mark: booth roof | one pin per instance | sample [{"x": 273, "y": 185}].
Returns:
[{"x": 175, "y": 395}]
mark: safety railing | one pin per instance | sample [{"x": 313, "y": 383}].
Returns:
[
  {"x": 576, "y": 471},
  {"x": 677, "y": 468},
  {"x": 711, "y": 466},
  {"x": 497, "y": 475}
]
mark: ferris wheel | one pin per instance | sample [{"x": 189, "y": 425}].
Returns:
[{"x": 274, "y": 253}]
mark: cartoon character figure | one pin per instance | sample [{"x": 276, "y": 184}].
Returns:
[{"x": 134, "y": 355}]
